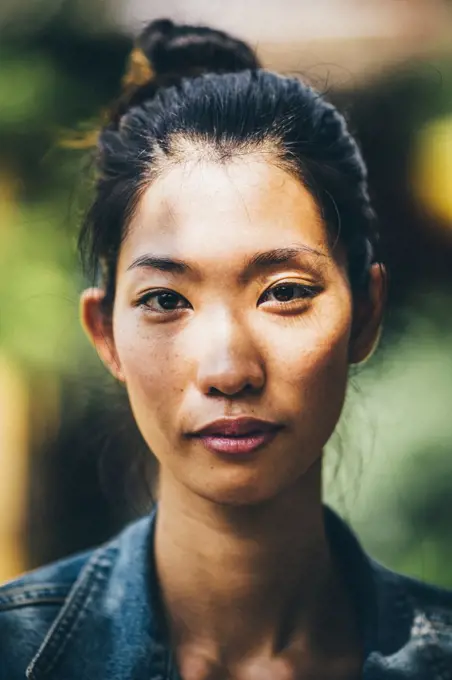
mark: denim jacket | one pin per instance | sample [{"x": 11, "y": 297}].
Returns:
[{"x": 98, "y": 616}]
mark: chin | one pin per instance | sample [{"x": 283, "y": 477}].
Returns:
[
  {"x": 236, "y": 499},
  {"x": 239, "y": 492}
]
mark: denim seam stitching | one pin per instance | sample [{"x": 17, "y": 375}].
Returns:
[
  {"x": 68, "y": 620},
  {"x": 33, "y": 594},
  {"x": 33, "y": 603},
  {"x": 7, "y": 591}
]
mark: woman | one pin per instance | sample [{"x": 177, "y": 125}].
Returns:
[{"x": 239, "y": 279}]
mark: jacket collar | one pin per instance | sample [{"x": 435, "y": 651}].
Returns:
[{"x": 111, "y": 626}]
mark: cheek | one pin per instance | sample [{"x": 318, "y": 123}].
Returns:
[
  {"x": 310, "y": 367},
  {"x": 316, "y": 345},
  {"x": 153, "y": 372},
  {"x": 325, "y": 380}
]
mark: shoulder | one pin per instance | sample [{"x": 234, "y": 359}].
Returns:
[
  {"x": 28, "y": 606},
  {"x": 415, "y": 625},
  {"x": 423, "y": 596},
  {"x": 432, "y": 611},
  {"x": 62, "y": 613}
]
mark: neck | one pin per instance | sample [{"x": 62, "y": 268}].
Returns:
[{"x": 238, "y": 581}]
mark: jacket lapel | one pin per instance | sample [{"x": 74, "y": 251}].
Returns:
[{"x": 108, "y": 627}]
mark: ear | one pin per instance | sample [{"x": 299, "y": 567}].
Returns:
[
  {"x": 99, "y": 328},
  {"x": 368, "y": 317}
]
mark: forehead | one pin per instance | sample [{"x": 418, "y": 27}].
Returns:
[{"x": 201, "y": 207}]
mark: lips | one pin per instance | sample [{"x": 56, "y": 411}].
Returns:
[
  {"x": 236, "y": 427},
  {"x": 237, "y": 446}
]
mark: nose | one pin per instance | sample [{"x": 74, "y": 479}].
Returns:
[{"x": 229, "y": 362}]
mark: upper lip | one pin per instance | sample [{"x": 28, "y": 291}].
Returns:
[{"x": 237, "y": 426}]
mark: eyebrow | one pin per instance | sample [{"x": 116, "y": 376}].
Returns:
[{"x": 259, "y": 262}]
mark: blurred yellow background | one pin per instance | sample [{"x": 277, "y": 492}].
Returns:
[{"x": 72, "y": 467}]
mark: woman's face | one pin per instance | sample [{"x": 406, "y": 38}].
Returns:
[{"x": 217, "y": 337}]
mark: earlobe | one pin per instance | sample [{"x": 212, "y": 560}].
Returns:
[
  {"x": 368, "y": 316},
  {"x": 99, "y": 329},
  {"x": 365, "y": 357}
]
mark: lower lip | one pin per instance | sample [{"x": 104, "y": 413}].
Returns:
[{"x": 237, "y": 445}]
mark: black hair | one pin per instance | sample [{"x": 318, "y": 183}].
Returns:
[{"x": 208, "y": 88}]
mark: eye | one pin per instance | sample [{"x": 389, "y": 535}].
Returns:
[
  {"x": 164, "y": 301},
  {"x": 287, "y": 293},
  {"x": 161, "y": 301}
]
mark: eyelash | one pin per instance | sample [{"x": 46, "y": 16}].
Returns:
[{"x": 308, "y": 293}]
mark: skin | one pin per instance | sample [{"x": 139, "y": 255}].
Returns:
[{"x": 259, "y": 592}]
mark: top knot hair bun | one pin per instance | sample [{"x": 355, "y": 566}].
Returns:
[
  {"x": 165, "y": 53},
  {"x": 186, "y": 50}
]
